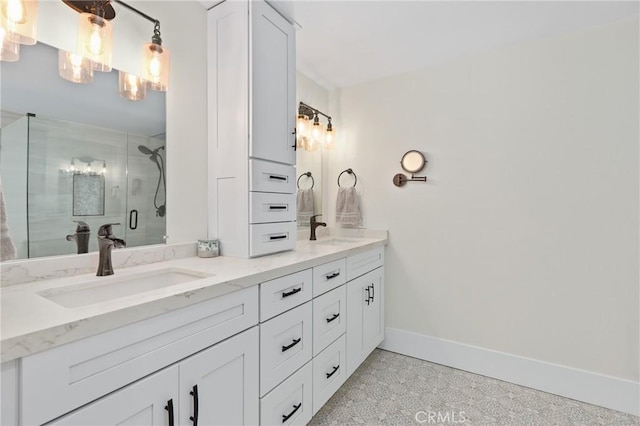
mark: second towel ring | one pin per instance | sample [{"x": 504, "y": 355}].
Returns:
[
  {"x": 308, "y": 174},
  {"x": 351, "y": 172}
]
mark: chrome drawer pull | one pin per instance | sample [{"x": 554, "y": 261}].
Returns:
[
  {"x": 332, "y": 276},
  {"x": 277, "y": 207},
  {"x": 286, "y": 417},
  {"x": 295, "y": 342},
  {"x": 333, "y": 317},
  {"x": 292, "y": 292},
  {"x": 278, "y": 237},
  {"x": 333, "y": 371},
  {"x": 275, "y": 177}
]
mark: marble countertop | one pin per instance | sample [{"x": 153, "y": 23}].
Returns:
[{"x": 31, "y": 323}]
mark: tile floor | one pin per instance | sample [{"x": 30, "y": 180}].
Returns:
[{"x": 392, "y": 389}]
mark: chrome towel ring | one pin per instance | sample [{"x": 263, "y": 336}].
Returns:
[
  {"x": 351, "y": 172},
  {"x": 307, "y": 174}
]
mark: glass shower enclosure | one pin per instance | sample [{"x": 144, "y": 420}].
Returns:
[{"x": 57, "y": 175}]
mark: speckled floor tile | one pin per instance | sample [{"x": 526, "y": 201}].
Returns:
[{"x": 392, "y": 389}]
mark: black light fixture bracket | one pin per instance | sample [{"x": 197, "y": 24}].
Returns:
[{"x": 311, "y": 112}]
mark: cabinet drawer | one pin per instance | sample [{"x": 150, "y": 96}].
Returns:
[
  {"x": 291, "y": 402},
  {"x": 57, "y": 381},
  {"x": 329, "y": 372},
  {"x": 360, "y": 264},
  {"x": 267, "y": 238},
  {"x": 266, "y": 207},
  {"x": 285, "y": 345},
  {"x": 329, "y": 318},
  {"x": 329, "y": 276},
  {"x": 272, "y": 177},
  {"x": 282, "y": 294}
]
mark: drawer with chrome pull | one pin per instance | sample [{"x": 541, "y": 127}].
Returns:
[
  {"x": 267, "y": 238},
  {"x": 329, "y": 276},
  {"x": 285, "y": 345},
  {"x": 284, "y": 293},
  {"x": 329, "y": 318}
]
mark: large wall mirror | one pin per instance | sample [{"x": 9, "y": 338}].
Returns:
[{"x": 74, "y": 154}]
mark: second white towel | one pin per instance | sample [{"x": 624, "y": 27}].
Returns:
[
  {"x": 348, "y": 206},
  {"x": 305, "y": 206}
]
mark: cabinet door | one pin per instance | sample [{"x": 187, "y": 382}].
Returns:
[
  {"x": 145, "y": 402},
  {"x": 365, "y": 317},
  {"x": 273, "y": 80},
  {"x": 220, "y": 385}
]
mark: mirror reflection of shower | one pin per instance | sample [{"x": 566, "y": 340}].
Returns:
[{"x": 159, "y": 203}]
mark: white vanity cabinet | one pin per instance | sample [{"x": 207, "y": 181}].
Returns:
[
  {"x": 365, "y": 306},
  {"x": 251, "y": 115}
]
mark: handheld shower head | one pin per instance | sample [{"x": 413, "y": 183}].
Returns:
[{"x": 143, "y": 149}]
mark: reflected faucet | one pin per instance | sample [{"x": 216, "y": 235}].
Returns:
[
  {"x": 314, "y": 224},
  {"x": 81, "y": 237},
  {"x": 106, "y": 242}
]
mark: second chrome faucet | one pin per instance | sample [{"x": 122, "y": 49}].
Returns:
[
  {"x": 313, "y": 223},
  {"x": 106, "y": 242}
]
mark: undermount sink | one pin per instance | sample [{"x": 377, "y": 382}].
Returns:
[
  {"x": 102, "y": 289},
  {"x": 336, "y": 241}
]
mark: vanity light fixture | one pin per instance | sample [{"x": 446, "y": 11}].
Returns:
[
  {"x": 131, "y": 86},
  {"x": 310, "y": 137},
  {"x": 90, "y": 162},
  {"x": 20, "y": 18}
]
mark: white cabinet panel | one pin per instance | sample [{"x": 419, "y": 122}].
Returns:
[
  {"x": 365, "y": 317},
  {"x": 291, "y": 403},
  {"x": 361, "y": 263},
  {"x": 284, "y": 293},
  {"x": 329, "y": 318},
  {"x": 222, "y": 383},
  {"x": 150, "y": 401},
  {"x": 273, "y": 85},
  {"x": 329, "y": 372},
  {"x": 285, "y": 345}
]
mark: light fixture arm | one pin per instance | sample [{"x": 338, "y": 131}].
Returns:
[
  {"x": 309, "y": 111},
  {"x": 156, "y": 23}
]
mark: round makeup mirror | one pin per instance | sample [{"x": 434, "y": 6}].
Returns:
[{"x": 413, "y": 161}]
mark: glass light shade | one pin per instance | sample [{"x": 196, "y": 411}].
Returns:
[
  {"x": 95, "y": 41},
  {"x": 302, "y": 128},
  {"x": 20, "y": 17},
  {"x": 317, "y": 133},
  {"x": 9, "y": 46},
  {"x": 155, "y": 68},
  {"x": 132, "y": 87},
  {"x": 329, "y": 138},
  {"x": 74, "y": 68}
]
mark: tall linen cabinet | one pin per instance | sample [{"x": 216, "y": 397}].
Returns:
[{"x": 251, "y": 119}]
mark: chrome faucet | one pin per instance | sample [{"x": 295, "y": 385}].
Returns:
[
  {"x": 81, "y": 237},
  {"x": 314, "y": 224},
  {"x": 106, "y": 242}
]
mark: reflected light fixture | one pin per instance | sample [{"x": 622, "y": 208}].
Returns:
[
  {"x": 310, "y": 137},
  {"x": 131, "y": 86},
  {"x": 20, "y": 17},
  {"x": 74, "y": 68},
  {"x": 9, "y": 46}
]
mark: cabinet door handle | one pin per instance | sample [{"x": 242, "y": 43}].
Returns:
[
  {"x": 276, "y": 177},
  {"x": 280, "y": 207},
  {"x": 194, "y": 393},
  {"x": 333, "y": 317},
  {"x": 292, "y": 292},
  {"x": 295, "y": 137},
  {"x": 295, "y": 342},
  {"x": 368, "y": 299},
  {"x": 332, "y": 276},
  {"x": 373, "y": 292},
  {"x": 133, "y": 225},
  {"x": 332, "y": 371},
  {"x": 286, "y": 417},
  {"x": 277, "y": 237},
  {"x": 169, "y": 408}
]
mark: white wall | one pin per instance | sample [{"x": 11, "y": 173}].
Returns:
[{"x": 525, "y": 239}]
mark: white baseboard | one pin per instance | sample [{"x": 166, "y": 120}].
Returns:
[{"x": 598, "y": 389}]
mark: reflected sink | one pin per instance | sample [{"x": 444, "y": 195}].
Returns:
[
  {"x": 102, "y": 289},
  {"x": 336, "y": 241}
]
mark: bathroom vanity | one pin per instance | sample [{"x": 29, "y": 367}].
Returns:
[{"x": 194, "y": 341}]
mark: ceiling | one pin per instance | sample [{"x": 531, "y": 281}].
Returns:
[{"x": 343, "y": 43}]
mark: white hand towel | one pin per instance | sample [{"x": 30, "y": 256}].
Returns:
[
  {"x": 347, "y": 206},
  {"x": 7, "y": 248},
  {"x": 305, "y": 206}
]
